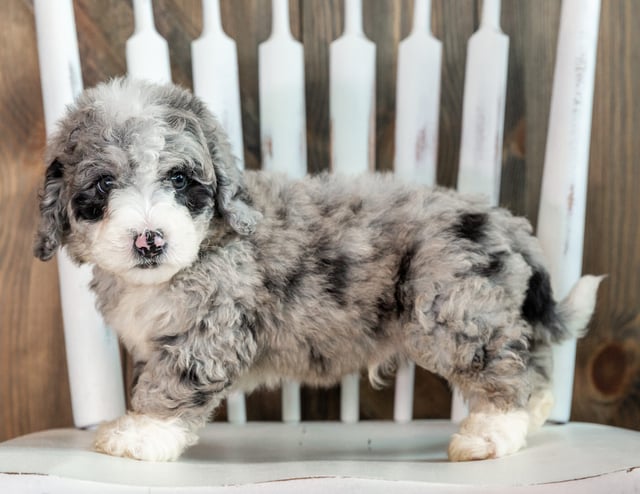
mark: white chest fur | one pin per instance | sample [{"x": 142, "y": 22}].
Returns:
[{"x": 142, "y": 313}]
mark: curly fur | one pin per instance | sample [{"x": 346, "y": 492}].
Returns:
[{"x": 265, "y": 278}]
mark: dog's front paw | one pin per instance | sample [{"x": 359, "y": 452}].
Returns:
[
  {"x": 489, "y": 435},
  {"x": 143, "y": 437}
]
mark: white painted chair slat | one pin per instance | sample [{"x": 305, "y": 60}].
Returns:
[
  {"x": 282, "y": 101},
  {"x": 340, "y": 457},
  {"x": 418, "y": 100},
  {"x": 378, "y": 456},
  {"x": 93, "y": 355},
  {"x": 485, "y": 90},
  {"x": 352, "y": 96},
  {"x": 291, "y": 407},
  {"x": 564, "y": 185},
  {"x": 215, "y": 80},
  {"x": 350, "y": 398},
  {"x": 403, "y": 392},
  {"x": 147, "y": 51},
  {"x": 215, "y": 75}
]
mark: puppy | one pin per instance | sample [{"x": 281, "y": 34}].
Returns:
[{"x": 217, "y": 280}]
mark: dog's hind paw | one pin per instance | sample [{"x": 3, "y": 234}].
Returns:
[
  {"x": 489, "y": 435},
  {"x": 143, "y": 437}
]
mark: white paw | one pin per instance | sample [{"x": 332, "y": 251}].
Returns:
[
  {"x": 489, "y": 435},
  {"x": 540, "y": 405},
  {"x": 143, "y": 437}
]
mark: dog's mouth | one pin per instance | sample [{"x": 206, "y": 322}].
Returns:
[{"x": 148, "y": 264}]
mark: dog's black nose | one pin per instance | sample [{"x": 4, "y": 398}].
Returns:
[{"x": 149, "y": 244}]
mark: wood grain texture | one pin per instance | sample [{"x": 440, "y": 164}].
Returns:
[
  {"x": 608, "y": 363},
  {"x": 34, "y": 392}
]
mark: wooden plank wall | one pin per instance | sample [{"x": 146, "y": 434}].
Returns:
[{"x": 33, "y": 388}]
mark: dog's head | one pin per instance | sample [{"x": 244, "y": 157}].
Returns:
[{"x": 136, "y": 175}]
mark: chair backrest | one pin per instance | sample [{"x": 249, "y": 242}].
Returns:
[{"x": 92, "y": 350}]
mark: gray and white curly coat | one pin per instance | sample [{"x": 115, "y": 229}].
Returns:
[{"x": 218, "y": 280}]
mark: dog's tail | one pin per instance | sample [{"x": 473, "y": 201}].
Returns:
[
  {"x": 576, "y": 309},
  {"x": 573, "y": 313}
]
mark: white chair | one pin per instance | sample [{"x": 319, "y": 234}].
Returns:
[{"x": 348, "y": 456}]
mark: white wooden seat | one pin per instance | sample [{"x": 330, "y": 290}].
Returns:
[
  {"x": 329, "y": 457},
  {"x": 292, "y": 456}
]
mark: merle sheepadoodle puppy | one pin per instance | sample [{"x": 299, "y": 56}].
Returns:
[{"x": 218, "y": 280}]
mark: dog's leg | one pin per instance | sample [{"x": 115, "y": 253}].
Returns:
[
  {"x": 168, "y": 408},
  {"x": 505, "y": 405},
  {"x": 489, "y": 433},
  {"x": 145, "y": 437},
  {"x": 539, "y": 408},
  {"x": 177, "y": 389},
  {"x": 493, "y": 369}
]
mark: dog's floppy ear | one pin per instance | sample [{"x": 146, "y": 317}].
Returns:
[
  {"x": 54, "y": 223},
  {"x": 232, "y": 199}
]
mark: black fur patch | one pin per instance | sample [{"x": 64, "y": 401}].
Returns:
[
  {"x": 294, "y": 280},
  {"x": 287, "y": 285},
  {"x": 334, "y": 266},
  {"x": 337, "y": 272},
  {"x": 385, "y": 308},
  {"x": 196, "y": 197},
  {"x": 375, "y": 314},
  {"x": 480, "y": 359},
  {"x": 55, "y": 171},
  {"x": 471, "y": 226},
  {"x": 242, "y": 194},
  {"x": 404, "y": 268},
  {"x": 201, "y": 398},
  {"x": 89, "y": 205},
  {"x": 190, "y": 376},
  {"x": 317, "y": 360},
  {"x": 493, "y": 267},
  {"x": 282, "y": 214},
  {"x": 517, "y": 346},
  {"x": 248, "y": 325},
  {"x": 538, "y": 305}
]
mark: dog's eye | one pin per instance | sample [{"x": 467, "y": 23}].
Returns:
[
  {"x": 105, "y": 184},
  {"x": 179, "y": 180}
]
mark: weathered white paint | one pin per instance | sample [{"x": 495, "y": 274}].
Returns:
[
  {"x": 403, "y": 398},
  {"x": 564, "y": 184},
  {"x": 370, "y": 456},
  {"x": 215, "y": 75},
  {"x": 282, "y": 102},
  {"x": 93, "y": 356},
  {"x": 147, "y": 51},
  {"x": 418, "y": 100},
  {"x": 483, "y": 108},
  {"x": 291, "y": 402},
  {"x": 349, "y": 399},
  {"x": 352, "y": 64}
]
